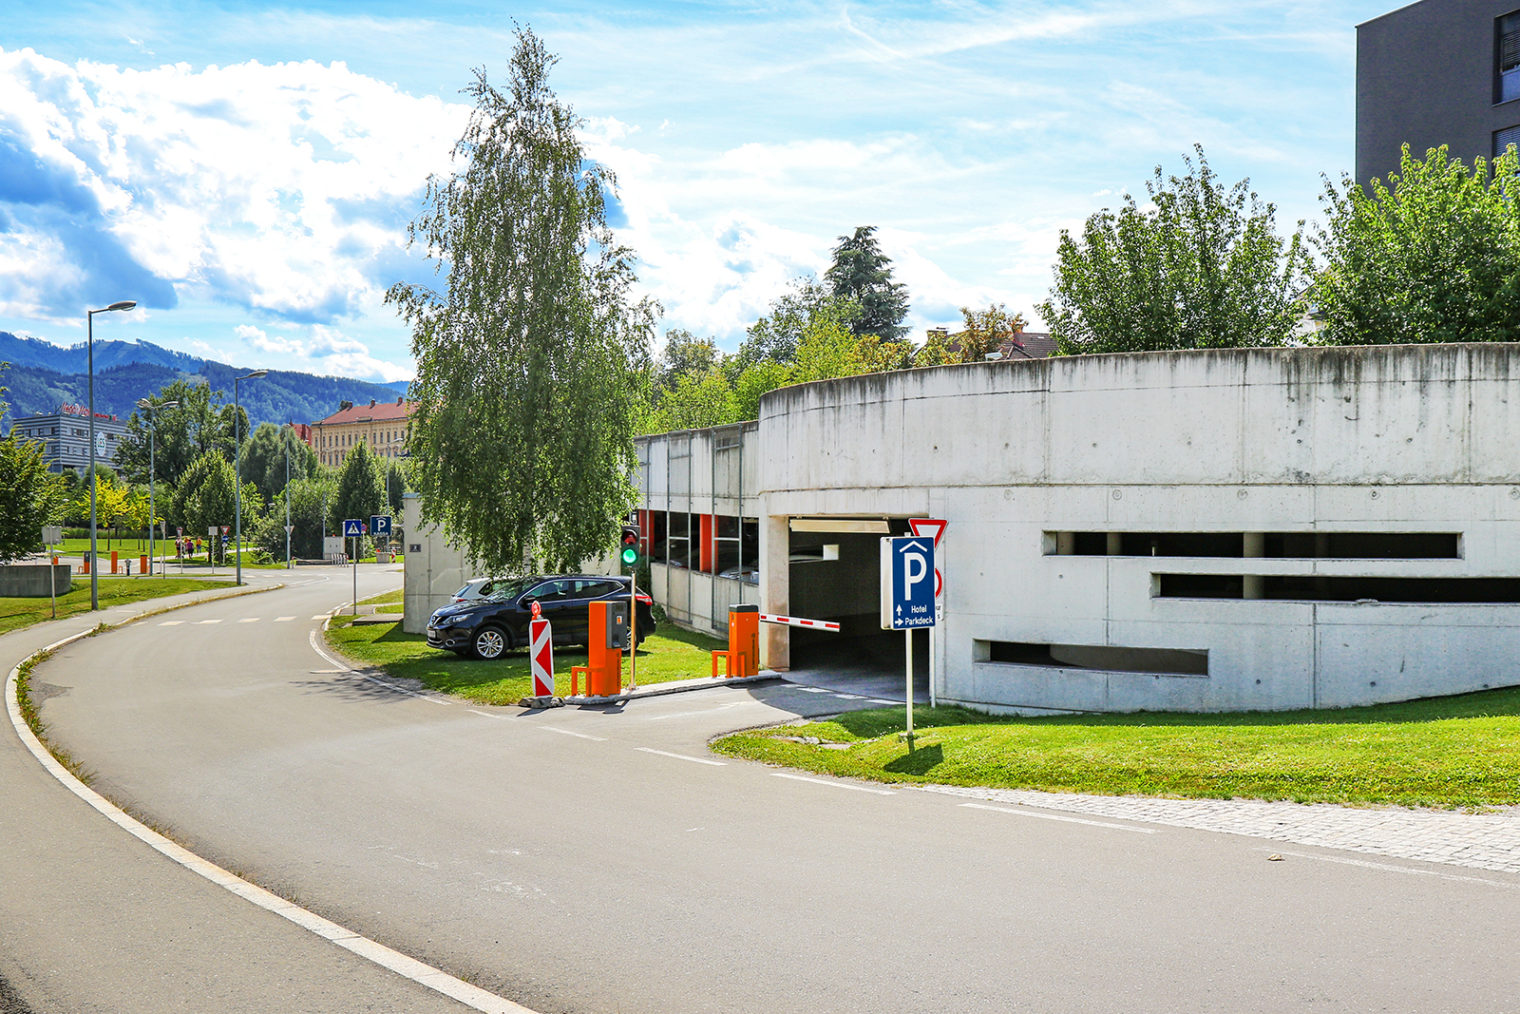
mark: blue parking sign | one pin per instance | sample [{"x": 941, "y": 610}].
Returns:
[
  {"x": 380, "y": 524},
  {"x": 907, "y": 583}
]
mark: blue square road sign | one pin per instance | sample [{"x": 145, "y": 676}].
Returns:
[
  {"x": 380, "y": 524},
  {"x": 352, "y": 528},
  {"x": 907, "y": 583}
]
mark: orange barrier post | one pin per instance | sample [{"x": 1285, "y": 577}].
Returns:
[
  {"x": 604, "y": 676},
  {"x": 84, "y": 564},
  {"x": 142, "y": 564},
  {"x": 743, "y": 655},
  {"x": 113, "y": 561}
]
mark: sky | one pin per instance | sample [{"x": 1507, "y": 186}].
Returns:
[{"x": 246, "y": 171}]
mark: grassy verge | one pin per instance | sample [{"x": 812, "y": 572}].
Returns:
[
  {"x": 669, "y": 655},
  {"x": 19, "y": 612},
  {"x": 1454, "y": 752}
]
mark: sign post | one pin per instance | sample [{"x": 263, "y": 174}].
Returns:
[
  {"x": 353, "y": 528},
  {"x": 907, "y": 597},
  {"x": 934, "y": 528},
  {"x": 52, "y": 535}
]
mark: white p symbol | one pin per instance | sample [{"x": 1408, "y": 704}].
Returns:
[{"x": 915, "y": 569}]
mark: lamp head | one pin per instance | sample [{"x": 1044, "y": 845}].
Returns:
[{"x": 125, "y": 304}]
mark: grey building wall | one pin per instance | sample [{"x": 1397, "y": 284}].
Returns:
[{"x": 1425, "y": 74}]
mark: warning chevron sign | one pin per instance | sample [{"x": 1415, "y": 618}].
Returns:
[{"x": 541, "y": 654}]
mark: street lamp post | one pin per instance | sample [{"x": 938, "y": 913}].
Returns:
[
  {"x": 288, "y": 434},
  {"x": 237, "y": 468},
  {"x": 151, "y": 410},
  {"x": 89, "y": 327}
]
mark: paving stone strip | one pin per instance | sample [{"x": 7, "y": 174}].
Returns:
[{"x": 1482, "y": 841}]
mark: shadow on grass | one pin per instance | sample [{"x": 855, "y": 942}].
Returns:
[
  {"x": 917, "y": 762},
  {"x": 1480, "y": 704}
]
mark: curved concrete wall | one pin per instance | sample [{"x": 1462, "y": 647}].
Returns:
[{"x": 1397, "y": 439}]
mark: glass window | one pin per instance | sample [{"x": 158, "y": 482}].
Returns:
[
  {"x": 1507, "y": 86},
  {"x": 1504, "y": 138}
]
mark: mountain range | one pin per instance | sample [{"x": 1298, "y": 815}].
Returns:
[{"x": 43, "y": 376}]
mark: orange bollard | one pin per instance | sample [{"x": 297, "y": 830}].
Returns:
[
  {"x": 84, "y": 564},
  {"x": 605, "y": 665},
  {"x": 142, "y": 564},
  {"x": 744, "y": 640},
  {"x": 113, "y": 561}
]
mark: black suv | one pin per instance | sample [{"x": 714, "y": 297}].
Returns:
[{"x": 487, "y": 628}]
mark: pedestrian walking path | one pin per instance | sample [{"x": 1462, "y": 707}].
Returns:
[{"x": 1482, "y": 841}]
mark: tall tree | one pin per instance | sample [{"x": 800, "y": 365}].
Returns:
[
  {"x": 264, "y": 458},
  {"x": 775, "y": 336},
  {"x": 861, "y": 272},
  {"x": 1431, "y": 255},
  {"x": 30, "y": 497},
  {"x": 684, "y": 355},
  {"x": 200, "y": 423},
  {"x": 395, "y": 487},
  {"x": 530, "y": 362},
  {"x": 361, "y": 485},
  {"x": 1201, "y": 266}
]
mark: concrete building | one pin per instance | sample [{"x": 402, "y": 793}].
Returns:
[
  {"x": 1437, "y": 72},
  {"x": 65, "y": 437},
  {"x": 1192, "y": 531},
  {"x": 381, "y": 425}
]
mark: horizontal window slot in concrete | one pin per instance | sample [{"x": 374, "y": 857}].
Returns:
[
  {"x": 1095, "y": 657},
  {"x": 1465, "y": 590},
  {"x": 1260, "y": 545}
]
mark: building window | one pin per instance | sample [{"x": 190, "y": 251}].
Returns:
[
  {"x": 1507, "y": 34},
  {"x": 1504, "y": 138}
]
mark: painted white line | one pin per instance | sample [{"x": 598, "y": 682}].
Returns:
[
  {"x": 849, "y": 697},
  {"x": 392, "y": 960},
  {"x": 171, "y": 623},
  {"x": 311, "y": 639},
  {"x": 1059, "y": 817},
  {"x": 832, "y": 784},
  {"x": 202, "y": 623},
  {"x": 882, "y": 700},
  {"x": 283, "y": 619},
  {"x": 1391, "y": 868},
  {"x": 568, "y": 732},
  {"x": 321, "y": 616},
  {"x": 681, "y": 756},
  {"x": 811, "y": 690},
  {"x": 250, "y": 619}
]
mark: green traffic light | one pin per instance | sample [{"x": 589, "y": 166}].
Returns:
[{"x": 630, "y": 555}]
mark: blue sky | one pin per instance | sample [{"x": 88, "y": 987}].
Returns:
[{"x": 246, "y": 170}]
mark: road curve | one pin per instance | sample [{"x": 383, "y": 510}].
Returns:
[{"x": 603, "y": 860}]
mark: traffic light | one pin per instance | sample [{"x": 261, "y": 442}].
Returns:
[{"x": 629, "y": 553}]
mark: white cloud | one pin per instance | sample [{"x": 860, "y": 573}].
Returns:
[{"x": 323, "y": 350}]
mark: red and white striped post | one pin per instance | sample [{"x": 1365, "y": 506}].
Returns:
[
  {"x": 797, "y": 621},
  {"x": 541, "y": 655}
]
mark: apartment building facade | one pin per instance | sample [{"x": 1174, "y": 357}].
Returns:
[{"x": 381, "y": 425}]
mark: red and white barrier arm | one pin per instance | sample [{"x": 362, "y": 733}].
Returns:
[{"x": 794, "y": 621}]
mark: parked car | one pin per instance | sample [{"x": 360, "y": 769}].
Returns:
[
  {"x": 746, "y": 573},
  {"x": 489, "y": 627}
]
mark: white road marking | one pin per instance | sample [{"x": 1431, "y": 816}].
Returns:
[
  {"x": 250, "y": 619},
  {"x": 408, "y": 967},
  {"x": 202, "y": 623},
  {"x": 883, "y": 700},
  {"x": 568, "y": 732},
  {"x": 1391, "y": 868},
  {"x": 311, "y": 638},
  {"x": 849, "y": 697},
  {"x": 833, "y": 784},
  {"x": 811, "y": 690},
  {"x": 283, "y": 619},
  {"x": 171, "y": 623},
  {"x": 681, "y": 756},
  {"x": 321, "y": 616},
  {"x": 1057, "y": 816},
  {"x": 696, "y": 714}
]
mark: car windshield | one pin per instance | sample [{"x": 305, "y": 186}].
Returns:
[{"x": 510, "y": 589}]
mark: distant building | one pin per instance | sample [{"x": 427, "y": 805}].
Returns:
[
  {"x": 65, "y": 437},
  {"x": 1437, "y": 72},
  {"x": 303, "y": 433},
  {"x": 1022, "y": 345},
  {"x": 381, "y": 425}
]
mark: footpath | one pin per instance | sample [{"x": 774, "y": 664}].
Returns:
[{"x": 96, "y": 920}]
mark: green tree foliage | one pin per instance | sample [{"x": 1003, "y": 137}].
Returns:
[
  {"x": 207, "y": 496},
  {"x": 311, "y": 503},
  {"x": 756, "y": 382},
  {"x": 1432, "y": 255},
  {"x": 30, "y": 497},
  {"x": 530, "y": 362},
  {"x": 684, "y": 355},
  {"x": 696, "y": 400},
  {"x": 361, "y": 486},
  {"x": 1200, "y": 266},
  {"x": 264, "y": 458},
  {"x": 775, "y": 336},
  {"x": 861, "y": 272},
  {"x": 199, "y": 424},
  {"x": 395, "y": 486}
]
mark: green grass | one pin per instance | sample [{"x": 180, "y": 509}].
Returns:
[
  {"x": 19, "y": 612},
  {"x": 1455, "y": 752},
  {"x": 669, "y": 655},
  {"x": 126, "y": 547}
]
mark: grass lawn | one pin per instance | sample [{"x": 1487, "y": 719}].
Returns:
[
  {"x": 16, "y": 612},
  {"x": 125, "y": 547},
  {"x": 671, "y": 654},
  {"x": 1456, "y": 752}
]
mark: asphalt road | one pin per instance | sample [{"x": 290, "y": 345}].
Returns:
[{"x": 603, "y": 860}]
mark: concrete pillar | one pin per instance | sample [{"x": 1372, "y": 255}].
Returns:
[
  {"x": 1066, "y": 543},
  {"x": 775, "y": 590},
  {"x": 1255, "y": 548}
]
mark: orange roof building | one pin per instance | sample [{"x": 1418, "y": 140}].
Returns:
[{"x": 382, "y": 425}]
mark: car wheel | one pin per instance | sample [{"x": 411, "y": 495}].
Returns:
[{"x": 490, "y": 643}]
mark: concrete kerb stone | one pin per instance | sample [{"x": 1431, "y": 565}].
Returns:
[{"x": 675, "y": 687}]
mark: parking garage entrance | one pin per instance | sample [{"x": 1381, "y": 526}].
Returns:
[{"x": 834, "y": 573}]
